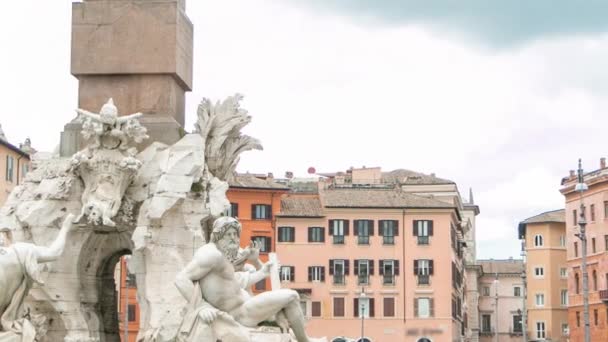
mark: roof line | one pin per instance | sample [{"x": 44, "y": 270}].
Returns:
[{"x": 14, "y": 148}]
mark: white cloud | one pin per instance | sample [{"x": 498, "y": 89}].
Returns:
[{"x": 327, "y": 92}]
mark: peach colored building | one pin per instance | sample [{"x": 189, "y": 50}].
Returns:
[
  {"x": 14, "y": 165},
  {"x": 595, "y": 200},
  {"x": 501, "y": 300},
  {"x": 374, "y": 254},
  {"x": 544, "y": 238}
]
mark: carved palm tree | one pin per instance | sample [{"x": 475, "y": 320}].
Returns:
[{"x": 220, "y": 126}]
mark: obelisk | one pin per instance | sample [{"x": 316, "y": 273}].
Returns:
[{"x": 138, "y": 52}]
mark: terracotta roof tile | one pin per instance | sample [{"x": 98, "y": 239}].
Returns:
[
  {"x": 300, "y": 206},
  {"x": 377, "y": 198},
  {"x": 250, "y": 181},
  {"x": 402, "y": 176},
  {"x": 511, "y": 266},
  {"x": 549, "y": 216}
]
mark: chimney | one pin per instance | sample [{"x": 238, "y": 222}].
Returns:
[
  {"x": 433, "y": 174},
  {"x": 602, "y": 163},
  {"x": 270, "y": 175},
  {"x": 288, "y": 174},
  {"x": 572, "y": 174}
]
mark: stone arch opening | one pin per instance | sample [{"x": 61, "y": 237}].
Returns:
[{"x": 99, "y": 257}]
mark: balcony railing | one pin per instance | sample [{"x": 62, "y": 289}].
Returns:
[
  {"x": 487, "y": 331},
  {"x": 604, "y": 295}
]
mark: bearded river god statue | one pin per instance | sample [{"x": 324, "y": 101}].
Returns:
[
  {"x": 19, "y": 269},
  {"x": 219, "y": 307}
]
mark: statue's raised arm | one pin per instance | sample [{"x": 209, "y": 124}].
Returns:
[{"x": 20, "y": 269}]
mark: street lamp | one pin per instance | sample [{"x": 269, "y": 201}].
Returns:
[
  {"x": 582, "y": 224},
  {"x": 362, "y": 297}
]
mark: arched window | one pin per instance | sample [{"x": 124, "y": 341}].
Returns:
[
  {"x": 339, "y": 339},
  {"x": 576, "y": 283},
  {"x": 538, "y": 241},
  {"x": 424, "y": 339},
  {"x": 594, "y": 280},
  {"x": 365, "y": 339}
]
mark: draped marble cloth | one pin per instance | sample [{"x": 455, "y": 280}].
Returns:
[
  {"x": 13, "y": 327},
  {"x": 224, "y": 328}
]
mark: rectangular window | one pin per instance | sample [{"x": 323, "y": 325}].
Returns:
[
  {"x": 423, "y": 268},
  {"x": 338, "y": 306},
  {"x": 593, "y": 245},
  {"x": 131, "y": 311},
  {"x": 261, "y": 212},
  {"x": 563, "y": 272},
  {"x": 574, "y": 217},
  {"x": 486, "y": 323},
  {"x": 565, "y": 329},
  {"x": 485, "y": 291},
  {"x": 592, "y": 212},
  {"x": 287, "y": 234},
  {"x": 605, "y": 209},
  {"x": 387, "y": 271},
  {"x": 363, "y": 269},
  {"x": 233, "y": 210},
  {"x": 131, "y": 281},
  {"x": 287, "y": 273},
  {"x": 338, "y": 267},
  {"x": 338, "y": 229},
  {"x": 363, "y": 230},
  {"x": 316, "y": 273},
  {"x": 517, "y": 323},
  {"x": 562, "y": 240},
  {"x": 9, "y": 168},
  {"x": 423, "y": 229},
  {"x": 578, "y": 318},
  {"x": 575, "y": 249},
  {"x": 25, "y": 168},
  {"x": 595, "y": 316},
  {"x": 564, "y": 297},
  {"x": 388, "y": 230},
  {"x": 423, "y": 307},
  {"x": 389, "y": 306},
  {"x": 316, "y": 309},
  {"x": 304, "y": 307},
  {"x": 539, "y": 272},
  {"x": 316, "y": 234},
  {"x": 264, "y": 243},
  {"x": 606, "y": 242},
  {"x": 540, "y": 299},
  {"x": 517, "y": 291},
  {"x": 540, "y": 330}
]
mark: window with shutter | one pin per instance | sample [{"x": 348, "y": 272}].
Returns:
[
  {"x": 388, "y": 230},
  {"x": 261, "y": 212},
  {"x": 423, "y": 307},
  {"x": 316, "y": 234},
  {"x": 338, "y": 229},
  {"x": 363, "y": 271},
  {"x": 387, "y": 271},
  {"x": 338, "y": 306},
  {"x": 423, "y": 268},
  {"x": 364, "y": 229},
  {"x": 337, "y": 270},
  {"x": 423, "y": 229},
  {"x": 287, "y": 273},
  {"x": 316, "y": 309},
  {"x": 287, "y": 234},
  {"x": 232, "y": 211},
  {"x": 388, "y": 306}
]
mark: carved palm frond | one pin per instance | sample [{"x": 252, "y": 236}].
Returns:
[{"x": 220, "y": 126}]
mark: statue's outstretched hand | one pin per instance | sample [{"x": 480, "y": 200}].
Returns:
[
  {"x": 208, "y": 315},
  {"x": 267, "y": 267}
]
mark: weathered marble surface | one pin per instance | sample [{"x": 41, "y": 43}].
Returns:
[
  {"x": 19, "y": 269},
  {"x": 163, "y": 216}
]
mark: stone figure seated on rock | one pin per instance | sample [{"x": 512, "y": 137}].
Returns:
[
  {"x": 19, "y": 269},
  {"x": 219, "y": 304}
]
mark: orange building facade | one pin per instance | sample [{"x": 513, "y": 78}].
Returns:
[
  {"x": 595, "y": 201},
  {"x": 14, "y": 166}
]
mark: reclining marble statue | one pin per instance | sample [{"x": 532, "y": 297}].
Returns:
[
  {"x": 19, "y": 269},
  {"x": 219, "y": 304}
]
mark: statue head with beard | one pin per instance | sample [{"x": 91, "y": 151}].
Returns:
[{"x": 226, "y": 235}]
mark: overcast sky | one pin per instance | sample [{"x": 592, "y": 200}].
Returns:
[{"x": 500, "y": 96}]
